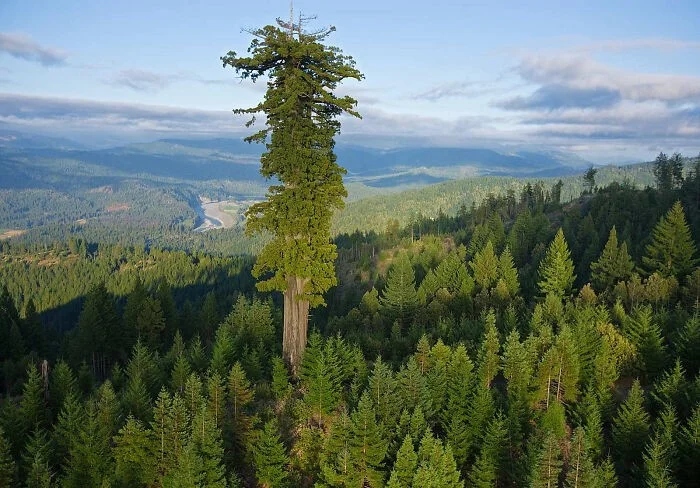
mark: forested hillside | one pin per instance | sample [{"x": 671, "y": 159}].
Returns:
[{"x": 523, "y": 341}]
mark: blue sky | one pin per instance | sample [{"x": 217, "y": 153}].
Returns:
[{"x": 607, "y": 80}]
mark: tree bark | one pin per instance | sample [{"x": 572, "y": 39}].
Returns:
[{"x": 296, "y": 322}]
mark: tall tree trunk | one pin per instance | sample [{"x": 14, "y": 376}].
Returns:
[{"x": 296, "y": 322}]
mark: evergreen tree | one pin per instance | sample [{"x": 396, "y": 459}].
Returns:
[
  {"x": 436, "y": 465},
  {"x": 630, "y": 431},
  {"x": 367, "y": 447},
  {"x": 646, "y": 337},
  {"x": 8, "y": 468},
  {"x": 320, "y": 376},
  {"x": 270, "y": 458},
  {"x": 508, "y": 286},
  {"x": 656, "y": 466},
  {"x": 62, "y": 384},
  {"x": 405, "y": 466},
  {"x": 382, "y": 389},
  {"x": 239, "y": 396},
  {"x": 689, "y": 449},
  {"x": 90, "y": 460},
  {"x": 98, "y": 337},
  {"x": 150, "y": 322},
  {"x": 489, "y": 361},
  {"x": 335, "y": 459},
  {"x": 556, "y": 270},
  {"x": 37, "y": 472},
  {"x": 485, "y": 267},
  {"x": 135, "y": 454},
  {"x": 32, "y": 406},
  {"x": 399, "y": 298},
  {"x": 613, "y": 265},
  {"x": 663, "y": 172},
  {"x": 672, "y": 249},
  {"x": 67, "y": 428},
  {"x": 301, "y": 112},
  {"x": 208, "y": 450},
  {"x": 549, "y": 464},
  {"x": 484, "y": 473}
]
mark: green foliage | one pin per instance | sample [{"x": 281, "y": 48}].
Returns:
[
  {"x": 613, "y": 265},
  {"x": 8, "y": 469},
  {"x": 630, "y": 430},
  {"x": 436, "y": 465},
  {"x": 405, "y": 466},
  {"x": 300, "y": 110},
  {"x": 399, "y": 299},
  {"x": 503, "y": 388},
  {"x": 646, "y": 337},
  {"x": 549, "y": 463},
  {"x": 367, "y": 447},
  {"x": 488, "y": 463},
  {"x": 556, "y": 271},
  {"x": 672, "y": 249},
  {"x": 320, "y": 375},
  {"x": 269, "y": 457}
]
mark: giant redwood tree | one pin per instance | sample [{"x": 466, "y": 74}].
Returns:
[{"x": 301, "y": 111}]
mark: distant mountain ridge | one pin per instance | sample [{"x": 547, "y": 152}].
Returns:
[{"x": 234, "y": 159}]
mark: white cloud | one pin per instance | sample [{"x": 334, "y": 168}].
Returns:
[{"x": 22, "y": 46}]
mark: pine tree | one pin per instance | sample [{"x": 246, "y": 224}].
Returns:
[
  {"x": 335, "y": 461},
  {"x": 484, "y": 473},
  {"x": 239, "y": 395},
  {"x": 131, "y": 309},
  {"x": 558, "y": 371},
  {"x": 90, "y": 460},
  {"x": 8, "y": 468},
  {"x": 32, "y": 405},
  {"x": 508, "y": 286},
  {"x": 556, "y": 270},
  {"x": 648, "y": 341},
  {"x": 223, "y": 353},
  {"x": 459, "y": 389},
  {"x": 98, "y": 337},
  {"x": 269, "y": 457},
  {"x": 367, "y": 447},
  {"x": 663, "y": 172},
  {"x": 489, "y": 361},
  {"x": 150, "y": 322},
  {"x": 36, "y": 460},
  {"x": 67, "y": 428},
  {"x": 485, "y": 267},
  {"x": 179, "y": 374},
  {"x": 62, "y": 384},
  {"x": 436, "y": 465},
  {"x": 135, "y": 454},
  {"x": 405, "y": 466},
  {"x": 672, "y": 249},
  {"x": 382, "y": 389},
  {"x": 208, "y": 449},
  {"x": 549, "y": 464},
  {"x": 689, "y": 448},
  {"x": 216, "y": 398},
  {"x": 320, "y": 376},
  {"x": 613, "y": 265},
  {"x": 301, "y": 112},
  {"x": 630, "y": 431},
  {"x": 399, "y": 299},
  {"x": 657, "y": 473}
]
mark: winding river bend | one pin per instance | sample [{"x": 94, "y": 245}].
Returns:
[{"x": 212, "y": 216}]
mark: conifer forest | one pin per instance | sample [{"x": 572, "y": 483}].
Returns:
[{"x": 525, "y": 340}]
